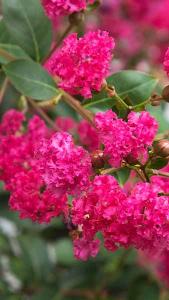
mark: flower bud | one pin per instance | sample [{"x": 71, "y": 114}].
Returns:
[
  {"x": 98, "y": 159},
  {"x": 165, "y": 93},
  {"x": 161, "y": 148},
  {"x": 155, "y": 100}
]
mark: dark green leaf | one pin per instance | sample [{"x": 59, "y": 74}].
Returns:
[
  {"x": 158, "y": 163},
  {"x": 4, "y": 34},
  {"x": 100, "y": 104},
  {"x": 27, "y": 24},
  {"x": 30, "y": 79},
  {"x": 122, "y": 175},
  {"x": 64, "y": 252},
  {"x": 138, "y": 86},
  {"x": 159, "y": 113},
  {"x": 144, "y": 289},
  {"x": 12, "y": 50}
]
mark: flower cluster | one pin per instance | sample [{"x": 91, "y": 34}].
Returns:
[
  {"x": 42, "y": 169},
  {"x": 63, "y": 166},
  {"x": 82, "y": 64},
  {"x": 54, "y": 8},
  {"x": 139, "y": 219},
  {"x": 122, "y": 139}
]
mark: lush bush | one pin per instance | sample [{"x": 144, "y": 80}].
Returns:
[{"x": 84, "y": 150}]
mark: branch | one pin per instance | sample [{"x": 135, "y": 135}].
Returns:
[
  {"x": 42, "y": 114},
  {"x": 3, "y": 89},
  {"x": 157, "y": 173}
]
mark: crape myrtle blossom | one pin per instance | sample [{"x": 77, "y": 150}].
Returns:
[
  {"x": 82, "y": 63},
  {"x": 55, "y": 8},
  {"x": 84, "y": 248},
  {"x": 63, "y": 166},
  {"x": 122, "y": 139},
  {"x": 17, "y": 144},
  {"x": 139, "y": 220},
  {"x": 32, "y": 199}
]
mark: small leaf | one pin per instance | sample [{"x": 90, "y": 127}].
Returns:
[
  {"x": 12, "y": 50},
  {"x": 137, "y": 86},
  {"x": 100, "y": 104},
  {"x": 122, "y": 175},
  {"x": 29, "y": 27},
  {"x": 30, "y": 79},
  {"x": 158, "y": 163}
]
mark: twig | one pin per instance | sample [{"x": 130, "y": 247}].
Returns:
[
  {"x": 6, "y": 55},
  {"x": 75, "y": 104},
  {"x": 57, "y": 44},
  {"x": 3, "y": 89},
  {"x": 157, "y": 173},
  {"x": 42, "y": 114}
]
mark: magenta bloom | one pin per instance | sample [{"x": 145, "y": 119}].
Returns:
[
  {"x": 166, "y": 62},
  {"x": 115, "y": 135},
  {"x": 82, "y": 64},
  {"x": 125, "y": 139},
  {"x": 54, "y": 8},
  {"x": 84, "y": 248},
  {"x": 88, "y": 135},
  {"x": 32, "y": 200},
  {"x": 63, "y": 166}
]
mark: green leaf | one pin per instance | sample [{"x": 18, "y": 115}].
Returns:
[
  {"x": 142, "y": 289},
  {"x": 64, "y": 252},
  {"x": 12, "y": 50},
  {"x": 4, "y": 34},
  {"x": 35, "y": 256},
  {"x": 30, "y": 79},
  {"x": 162, "y": 119},
  {"x": 27, "y": 24},
  {"x": 158, "y": 163},
  {"x": 137, "y": 86},
  {"x": 122, "y": 175},
  {"x": 100, "y": 104}
]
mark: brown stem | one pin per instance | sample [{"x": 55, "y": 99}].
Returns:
[
  {"x": 157, "y": 173},
  {"x": 75, "y": 104},
  {"x": 57, "y": 44},
  {"x": 163, "y": 194},
  {"x": 110, "y": 170},
  {"x": 3, "y": 89},
  {"x": 6, "y": 55},
  {"x": 42, "y": 114},
  {"x": 88, "y": 294},
  {"x": 51, "y": 102}
]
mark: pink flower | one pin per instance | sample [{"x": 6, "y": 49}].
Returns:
[
  {"x": 63, "y": 166},
  {"x": 84, "y": 248},
  {"x": 115, "y": 135},
  {"x": 125, "y": 139},
  {"x": 144, "y": 128},
  {"x": 98, "y": 206},
  {"x": 11, "y": 122},
  {"x": 17, "y": 144},
  {"x": 66, "y": 124},
  {"x": 88, "y": 136},
  {"x": 32, "y": 199},
  {"x": 54, "y": 8},
  {"x": 166, "y": 62},
  {"x": 82, "y": 64}
]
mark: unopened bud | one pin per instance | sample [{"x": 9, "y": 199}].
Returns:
[
  {"x": 165, "y": 93},
  {"x": 98, "y": 159},
  {"x": 76, "y": 18},
  {"x": 155, "y": 100},
  {"x": 161, "y": 148}
]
